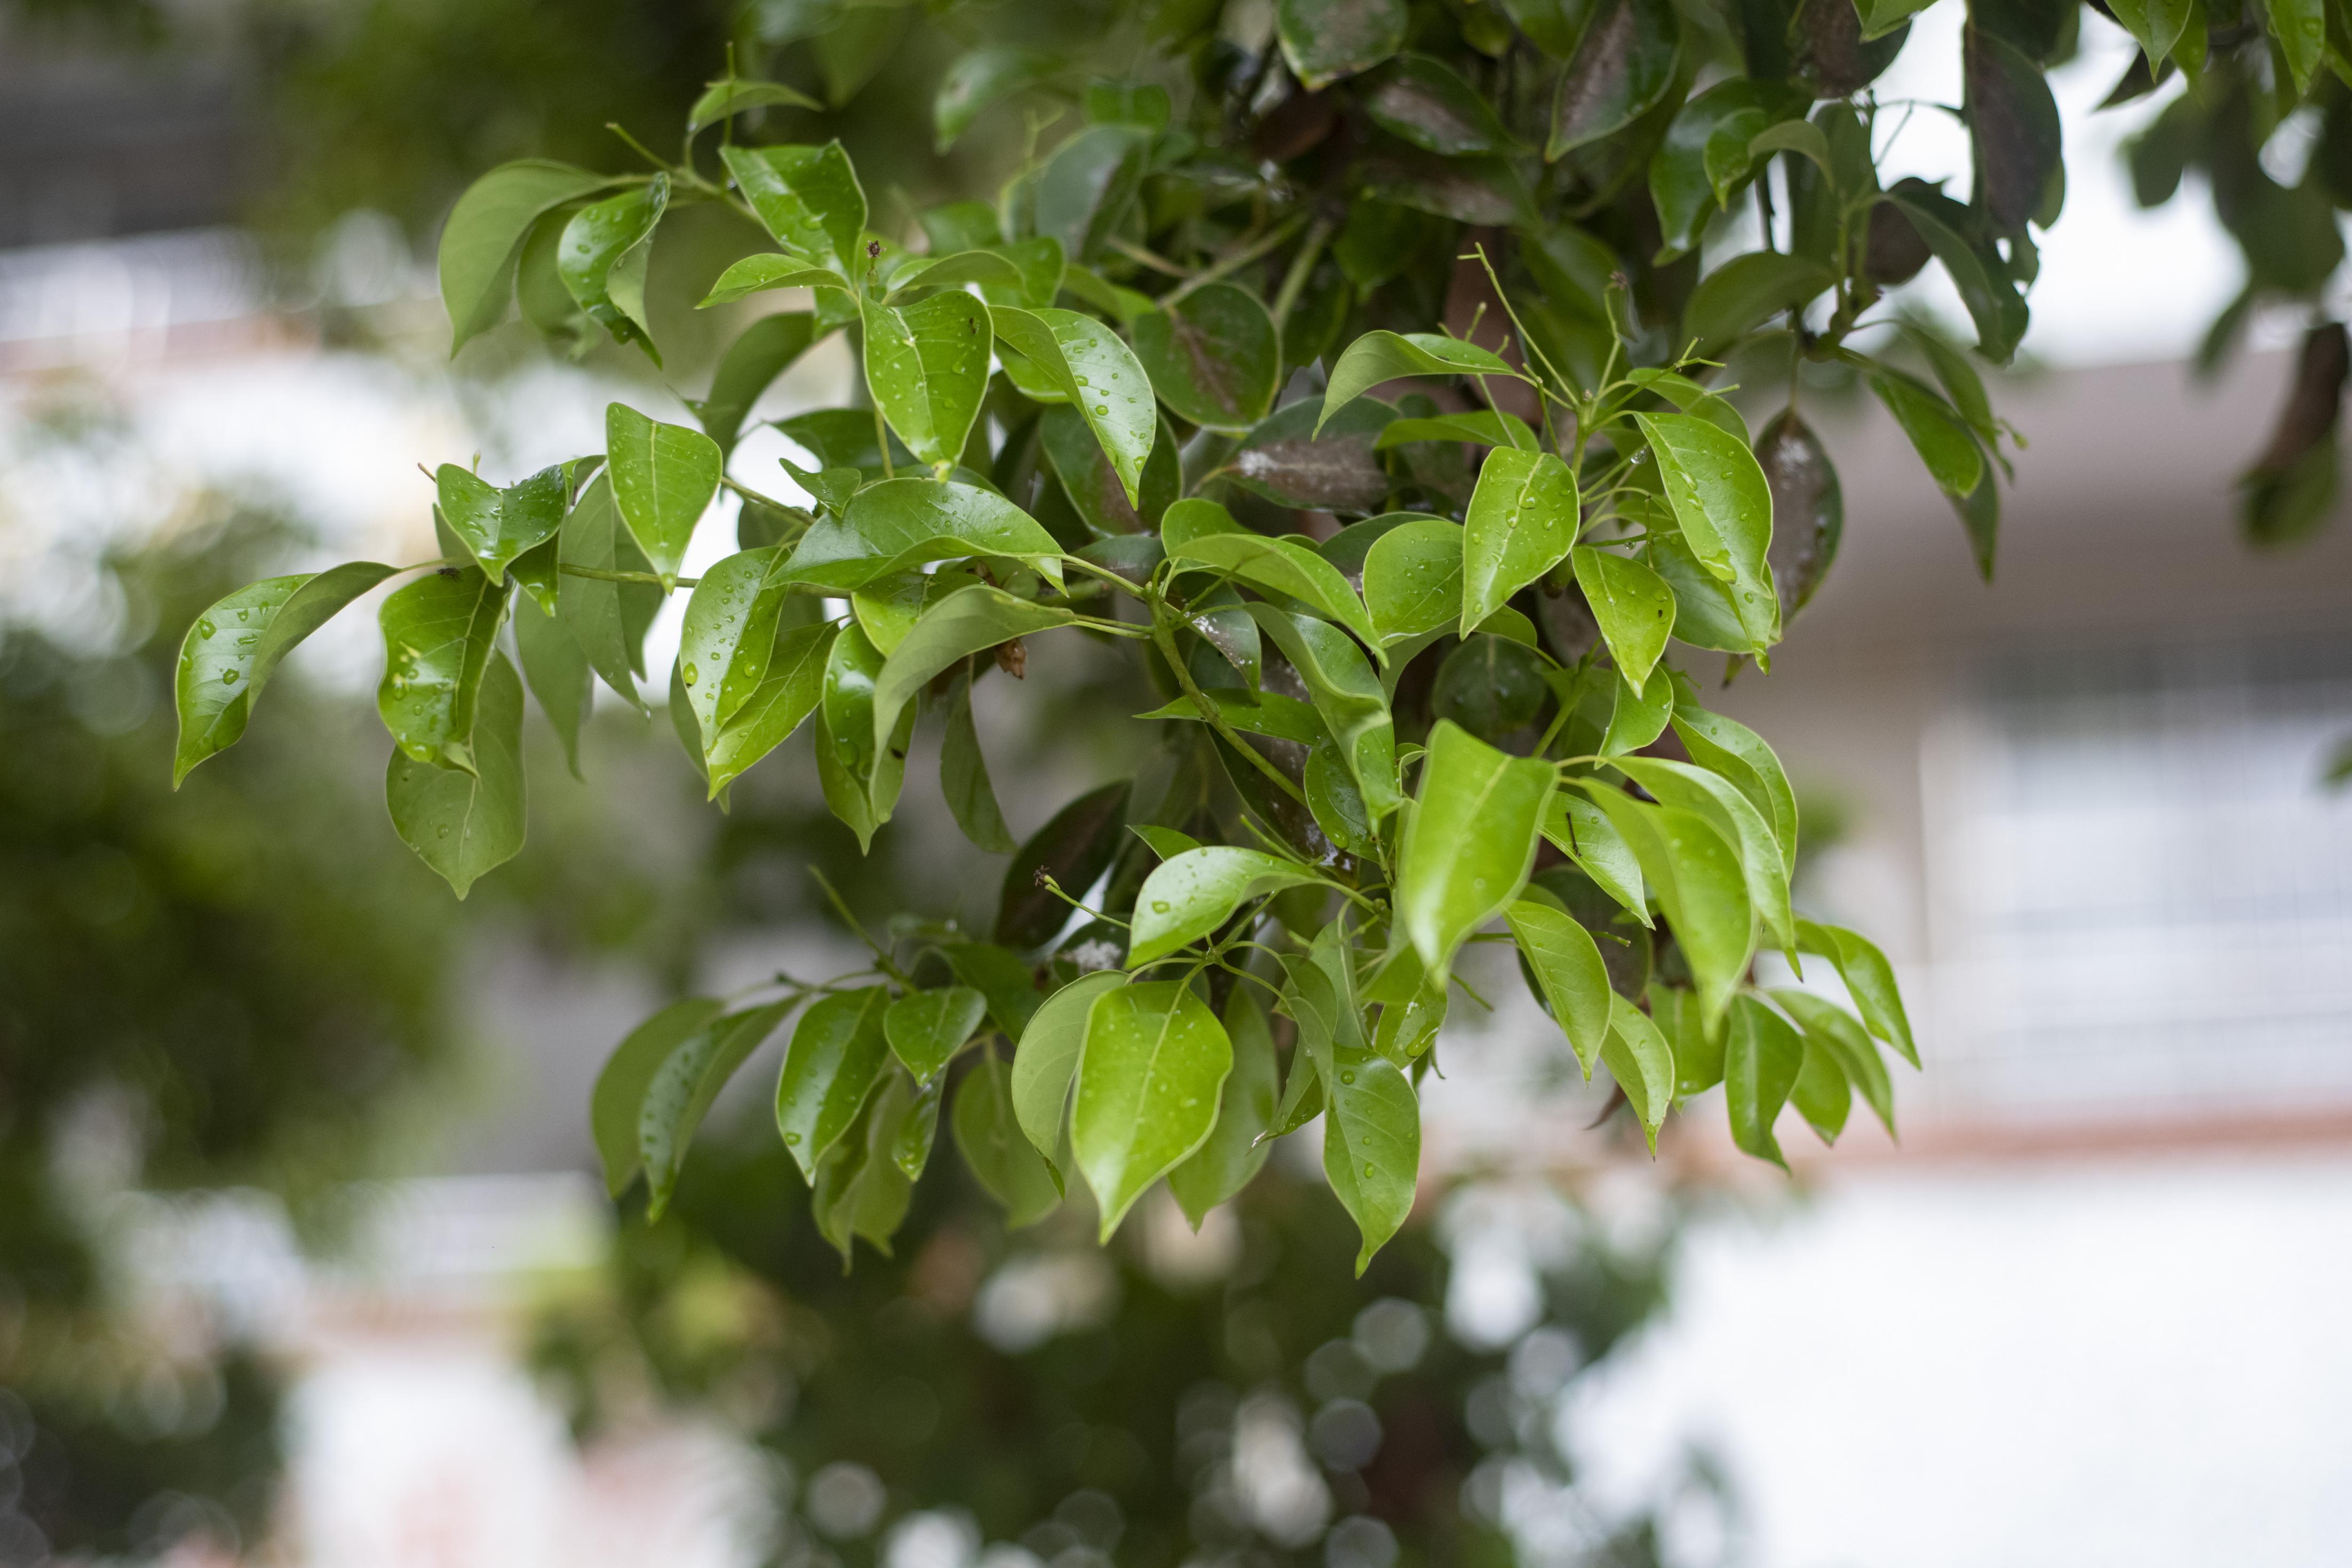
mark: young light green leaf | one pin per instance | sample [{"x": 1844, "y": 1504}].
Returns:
[
  {"x": 232, "y": 648},
  {"x": 989, "y": 1135},
  {"x": 1566, "y": 965},
  {"x": 787, "y": 693},
  {"x": 1324, "y": 40},
  {"x": 968, "y": 620},
  {"x": 1098, "y": 374},
  {"x": 679, "y": 1092},
  {"x": 1046, "y": 1060},
  {"x": 1761, "y": 1058},
  {"x": 437, "y": 635},
  {"x": 925, "y": 1028},
  {"x": 1700, "y": 883},
  {"x": 1830, "y": 1028},
  {"x": 1728, "y": 748},
  {"x": 927, "y": 368},
  {"x": 1384, "y": 356},
  {"x": 1371, "y": 1145},
  {"x": 1642, "y": 1062},
  {"x": 1351, "y": 698},
  {"x": 903, "y": 523},
  {"x": 556, "y": 668},
  {"x": 1717, "y": 491},
  {"x": 663, "y": 476},
  {"x": 871, "y": 760},
  {"x": 1234, "y": 1152},
  {"x": 484, "y": 235},
  {"x": 616, "y": 1106},
  {"x": 497, "y": 525},
  {"x": 1469, "y": 844},
  {"x": 1190, "y": 895},
  {"x": 602, "y": 254},
  {"x": 608, "y": 618},
  {"x": 1632, "y": 604},
  {"x": 758, "y": 273},
  {"x": 1581, "y": 831},
  {"x": 1482, "y": 426},
  {"x": 809, "y": 199},
  {"x": 1154, "y": 1063},
  {"x": 1214, "y": 357},
  {"x": 1735, "y": 817},
  {"x": 463, "y": 825},
  {"x": 1821, "y": 1094},
  {"x": 1869, "y": 979},
  {"x": 1638, "y": 717},
  {"x": 963, "y": 779},
  {"x": 737, "y": 95},
  {"x": 1283, "y": 566},
  {"x": 1523, "y": 518},
  {"x": 837, "y": 1054},
  {"x": 1412, "y": 581}
]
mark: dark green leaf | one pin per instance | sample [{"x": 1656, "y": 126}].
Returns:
[
  {"x": 1936, "y": 431},
  {"x": 1808, "y": 507},
  {"x": 1093, "y": 484},
  {"x": 1412, "y": 579},
  {"x": 1074, "y": 849},
  {"x": 437, "y": 636},
  {"x": 465, "y": 823},
  {"x": 968, "y": 620},
  {"x": 1283, "y": 566},
  {"x": 989, "y": 1135},
  {"x": 616, "y": 1109},
  {"x": 608, "y": 618},
  {"x": 602, "y": 254},
  {"x": 1100, "y": 375},
  {"x": 1423, "y": 101},
  {"x": 485, "y": 234},
  {"x": 1827, "y": 49},
  {"x": 556, "y": 668},
  {"x": 838, "y": 1055},
  {"x": 1284, "y": 460},
  {"x": 1214, "y": 358},
  {"x": 765, "y": 350},
  {"x": 1087, "y": 186},
  {"x": 1744, "y": 291},
  {"x": 788, "y": 691},
  {"x": 927, "y": 368},
  {"x": 963, "y": 779},
  {"x": 980, "y": 78},
  {"x": 1709, "y": 151},
  {"x": 1324, "y": 40},
  {"x": 1623, "y": 64}
]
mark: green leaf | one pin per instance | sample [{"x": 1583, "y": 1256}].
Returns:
[
  {"x": 838, "y": 1055},
  {"x": 232, "y": 648},
  {"x": 1371, "y": 1145},
  {"x": 1740, "y": 294},
  {"x": 727, "y": 638},
  {"x": 989, "y": 1135},
  {"x": 1727, "y": 746},
  {"x": 963, "y": 779},
  {"x": 1718, "y": 494},
  {"x": 925, "y": 1028},
  {"x": 1346, "y": 694},
  {"x": 1482, "y": 425},
  {"x": 1761, "y": 1060},
  {"x": 1523, "y": 518},
  {"x": 1633, "y": 607},
  {"x": 2158, "y": 25},
  {"x": 871, "y": 761},
  {"x": 1584, "y": 833},
  {"x": 1324, "y": 40},
  {"x": 1192, "y": 895},
  {"x": 1638, "y": 718},
  {"x": 851, "y": 50},
  {"x": 664, "y": 477},
  {"x": 1046, "y": 1060},
  {"x": 1709, "y": 151},
  {"x": 1880, "y": 18},
  {"x": 1214, "y": 358},
  {"x": 1735, "y": 817},
  {"x": 1992, "y": 301},
  {"x": 1423, "y": 101},
  {"x": 1828, "y": 1028},
  {"x": 758, "y": 273},
  {"x": 1074, "y": 849},
  {"x": 1699, "y": 882},
  {"x": 463, "y": 825},
  {"x": 737, "y": 95},
  {"x": 900, "y": 524},
  {"x": 1236, "y": 1149},
  {"x": 927, "y": 368},
  {"x": 1624, "y": 63},
  {"x": 1707, "y": 614},
  {"x": 808, "y": 198},
  {"x": 1154, "y": 1063},
  {"x": 1098, "y": 374},
  {"x": 615, "y": 1108},
  {"x": 910, "y": 1150},
  {"x": 1642, "y": 1062},
  {"x": 859, "y": 1190},
  {"x": 2300, "y": 28},
  {"x": 788, "y": 691},
  {"x": 765, "y": 350},
  {"x": 1412, "y": 579},
  {"x": 967, "y": 622},
  {"x": 1821, "y": 1094},
  {"x": 1566, "y": 965},
  {"x": 1094, "y": 487},
  {"x": 1937, "y": 433},
  {"x": 437, "y": 636},
  {"x": 1698, "y": 1057},
  {"x": 1288, "y": 461},
  {"x": 679, "y": 1091},
  {"x": 608, "y": 618},
  {"x": 1469, "y": 844},
  {"x": 1283, "y": 566},
  {"x": 983, "y": 77},
  {"x": 1384, "y": 356},
  {"x": 498, "y": 525},
  {"x": 1269, "y": 714},
  {"x": 601, "y": 258},
  {"x": 556, "y": 668},
  {"x": 484, "y": 237},
  {"x": 1869, "y": 980},
  {"x": 1089, "y": 185}
]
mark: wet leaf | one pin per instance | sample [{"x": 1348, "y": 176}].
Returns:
[
  {"x": 1469, "y": 844},
  {"x": 1382, "y": 356},
  {"x": 1348, "y": 697},
  {"x": 1046, "y": 1062},
  {"x": 1639, "y": 1057},
  {"x": 484, "y": 237},
  {"x": 925, "y": 1028},
  {"x": 664, "y": 477},
  {"x": 680, "y": 1090},
  {"x": 1371, "y": 1145},
  {"x": 1566, "y": 966},
  {"x": 463, "y": 825},
  {"x": 616, "y": 1107},
  {"x": 1093, "y": 484},
  {"x": 969, "y": 620},
  {"x": 231, "y": 650},
  {"x": 1634, "y": 606},
  {"x": 838, "y": 1053},
  {"x": 1637, "y": 718},
  {"x": 437, "y": 635},
  {"x": 1718, "y": 494},
  {"x": 1761, "y": 1058},
  {"x": 1214, "y": 358},
  {"x": 1699, "y": 882},
  {"x": 1489, "y": 685},
  {"x": 809, "y": 200},
  {"x": 927, "y": 368},
  {"x": 1412, "y": 579},
  {"x": 1235, "y": 1153},
  {"x": 1423, "y": 101},
  {"x": 1623, "y": 64},
  {"x": 1869, "y": 980},
  {"x": 738, "y": 95},
  {"x": 1584, "y": 833},
  {"x": 1937, "y": 433},
  {"x": 1808, "y": 508},
  {"x": 1993, "y": 302},
  {"x": 601, "y": 258},
  {"x": 608, "y": 618},
  {"x": 1283, "y": 566},
  {"x": 788, "y": 691},
  {"x": 900, "y": 524},
  {"x": 1523, "y": 518},
  {"x": 991, "y": 1138},
  {"x": 1324, "y": 40},
  {"x": 1098, "y": 374},
  {"x": 1192, "y": 895},
  {"x": 1154, "y": 1063}
]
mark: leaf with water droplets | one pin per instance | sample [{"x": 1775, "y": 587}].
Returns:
[
  {"x": 925, "y": 1028},
  {"x": 1188, "y": 896},
  {"x": 1236, "y": 1149},
  {"x": 1470, "y": 842},
  {"x": 1566, "y": 966},
  {"x": 1046, "y": 1062},
  {"x": 1149, "y": 1073},
  {"x": 927, "y": 368},
  {"x": 1371, "y": 1144},
  {"x": 838, "y": 1055},
  {"x": 232, "y": 648},
  {"x": 497, "y": 526},
  {"x": 809, "y": 199},
  {"x": 1214, "y": 357},
  {"x": 463, "y": 824},
  {"x": 616, "y": 1106},
  {"x": 1523, "y": 518},
  {"x": 664, "y": 477},
  {"x": 900, "y": 524},
  {"x": 1639, "y": 1057},
  {"x": 1100, "y": 375},
  {"x": 437, "y": 635},
  {"x": 679, "y": 1092}
]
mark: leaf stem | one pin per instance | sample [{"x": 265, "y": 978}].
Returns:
[
  {"x": 1225, "y": 266},
  {"x": 882, "y": 960},
  {"x": 640, "y": 149},
  {"x": 1164, "y": 638},
  {"x": 601, "y": 575},
  {"x": 1293, "y": 282}
]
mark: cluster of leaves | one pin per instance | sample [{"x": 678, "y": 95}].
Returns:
[
  {"x": 1117, "y": 1425},
  {"x": 1411, "y": 621}
]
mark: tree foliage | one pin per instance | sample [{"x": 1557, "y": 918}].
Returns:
[{"x": 1364, "y": 377}]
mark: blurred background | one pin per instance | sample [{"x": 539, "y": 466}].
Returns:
[{"x": 302, "y": 1259}]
